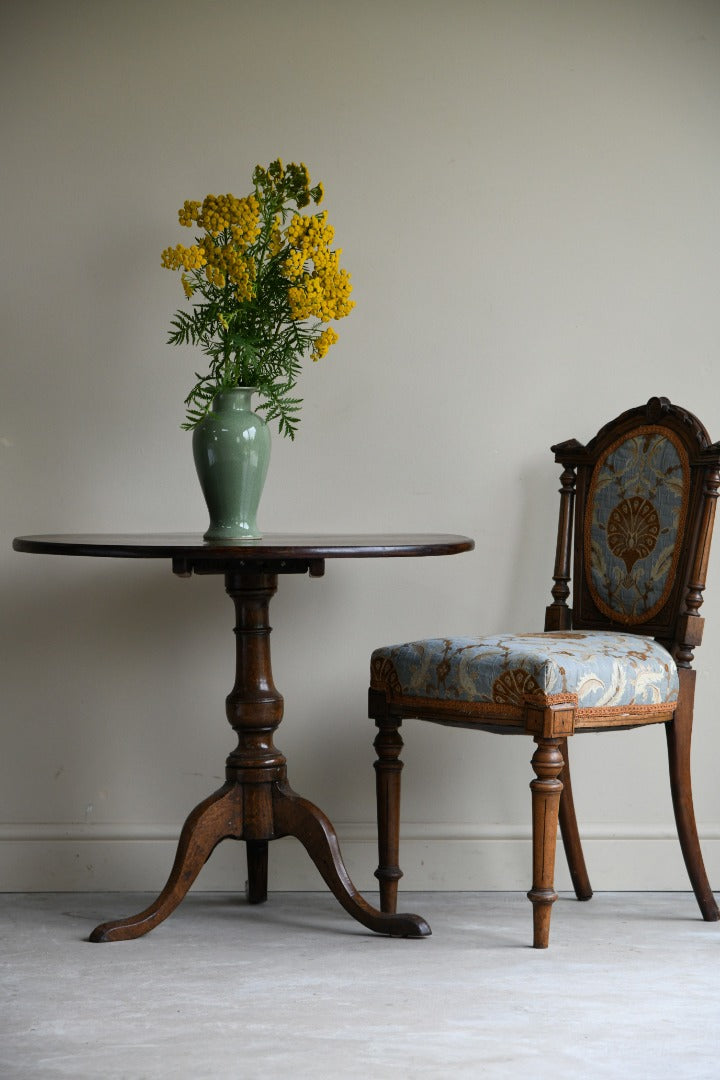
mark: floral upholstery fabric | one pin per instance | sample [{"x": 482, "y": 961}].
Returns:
[
  {"x": 634, "y": 524},
  {"x": 592, "y": 670}
]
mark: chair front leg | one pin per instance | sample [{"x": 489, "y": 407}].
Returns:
[
  {"x": 547, "y": 763},
  {"x": 388, "y": 744}
]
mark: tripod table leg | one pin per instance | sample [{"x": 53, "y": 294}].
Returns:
[
  {"x": 295, "y": 816},
  {"x": 217, "y": 817}
]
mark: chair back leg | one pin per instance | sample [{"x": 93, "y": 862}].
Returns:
[
  {"x": 570, "y": 834},
  {"x": 679, "y": 733}
]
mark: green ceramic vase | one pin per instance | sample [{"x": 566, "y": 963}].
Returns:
[{"x": 231, "y": 447}]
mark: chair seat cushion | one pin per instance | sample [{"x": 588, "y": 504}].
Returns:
[{"x": 595, "y": 671}]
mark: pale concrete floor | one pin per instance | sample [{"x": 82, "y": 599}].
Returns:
[{"x": 630, "y": 988}]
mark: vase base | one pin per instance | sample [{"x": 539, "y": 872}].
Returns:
[{"x": 230, "y": 536}]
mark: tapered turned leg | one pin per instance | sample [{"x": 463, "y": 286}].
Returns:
[
  {"x": 679, "y": 733},
  {"x": 219, "y": 816},
  {"x": 388, "y": 767},
  {"x": 295, "y": 816},
  {"x": 570, "y": 834},
  {"x": 257, "y": 864},
  {"x": 547, "y": 763}
]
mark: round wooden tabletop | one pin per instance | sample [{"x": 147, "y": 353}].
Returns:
[{"x": 272, "y": 546}]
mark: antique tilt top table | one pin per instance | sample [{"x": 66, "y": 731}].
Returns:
[{"x": 256, "y": 803}]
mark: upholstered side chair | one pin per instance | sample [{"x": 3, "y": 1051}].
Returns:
[{"x": 639, "y": 501}]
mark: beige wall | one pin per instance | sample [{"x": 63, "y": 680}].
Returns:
[{"x": 526, "y": 192}]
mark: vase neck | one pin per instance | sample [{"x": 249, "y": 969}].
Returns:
[{"x": 238, "y": 399}]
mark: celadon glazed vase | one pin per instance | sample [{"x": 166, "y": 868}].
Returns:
[{"x": 231, "y": 447}]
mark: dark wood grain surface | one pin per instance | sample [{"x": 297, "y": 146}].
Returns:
[{"x": 271, "y": 546}]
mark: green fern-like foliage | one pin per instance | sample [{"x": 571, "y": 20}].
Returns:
[{"x": 264, "y": 285}]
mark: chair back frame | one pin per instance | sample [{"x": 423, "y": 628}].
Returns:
[{"x": 676, "y": 624}]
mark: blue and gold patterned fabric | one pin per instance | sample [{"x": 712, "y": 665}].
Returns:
[
  {"x": 634, "y": 524},
  {"x": 597, "y": 672}
]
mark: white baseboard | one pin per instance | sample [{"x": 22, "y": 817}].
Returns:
[{"x": 77, "y": 858}]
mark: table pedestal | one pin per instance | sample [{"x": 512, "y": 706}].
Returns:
[{"x": 256, "y": 804}]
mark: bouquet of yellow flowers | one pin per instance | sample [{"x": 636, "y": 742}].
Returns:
[{"x": 264, "y": 283}]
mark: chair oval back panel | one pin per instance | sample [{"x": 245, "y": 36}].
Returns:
[
  {"x": 644, "y": 507},
  {"x": 635, "y": 520}
]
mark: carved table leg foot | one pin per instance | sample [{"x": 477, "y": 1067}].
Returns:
[
  {"x": 295, "y": 816},
  {"x": 217, "y": 817}
]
